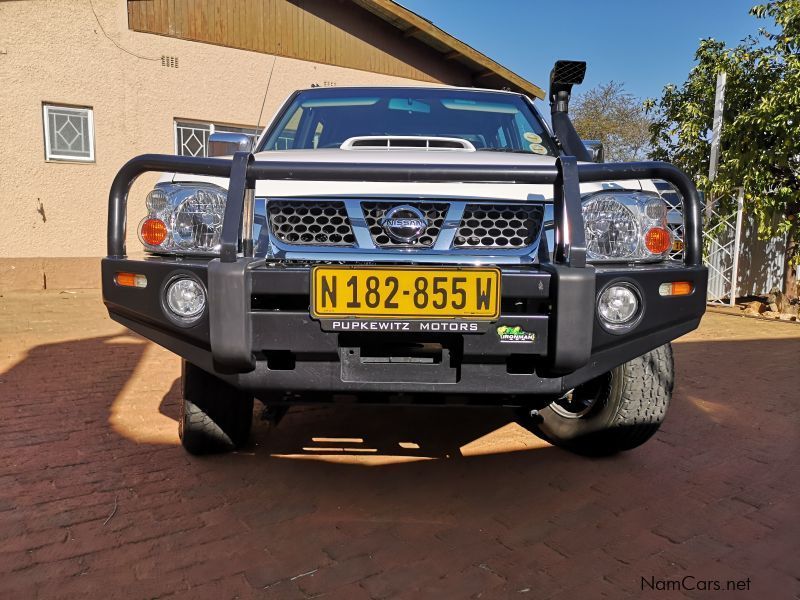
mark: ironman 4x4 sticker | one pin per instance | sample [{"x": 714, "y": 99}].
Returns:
[{"x": 514, "y": 333}]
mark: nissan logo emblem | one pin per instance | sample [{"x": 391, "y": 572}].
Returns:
[{"x": 404, "y": 224}]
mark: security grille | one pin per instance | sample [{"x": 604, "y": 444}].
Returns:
[
  {"x": 191, "y": 137},
  {"x": 721, "y": 245},
  {"x": 674, "y": 217},
  {"x": 69, "y": 133},
  {"x": 434, "y": 211},
  {"x": 721, "y": 249},
  {"x": 318, "y": 223},
  {"x": 499, "y": 226}
]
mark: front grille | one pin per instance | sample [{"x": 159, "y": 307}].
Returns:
[
  {"x": 434, "y": 211},
  {"x": 337, "y": 225},
  {"x": 498, "y": 226},
  {"x": 310, "y": 222}
]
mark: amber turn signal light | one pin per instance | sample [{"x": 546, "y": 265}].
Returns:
[
  {"x": 676, "y": 288},
  {"x": 153, "y": 232},
  {"x": 657, "y": 240},
  {"x": 130, "y": 280}
]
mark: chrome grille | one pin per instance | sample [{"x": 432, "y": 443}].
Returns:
[
  {"x": 434, "y": 211},
  {"x": 316, "y": 228},
  {"x": 498, "y": 226},
  {"x": 305, "y": 222}
]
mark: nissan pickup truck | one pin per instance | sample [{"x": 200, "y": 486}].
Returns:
[{"x": 414, "y": 245}]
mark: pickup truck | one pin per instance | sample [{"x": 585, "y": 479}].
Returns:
[{"x": 413, "y": 245}]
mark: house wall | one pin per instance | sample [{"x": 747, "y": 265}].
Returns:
[{"x": 53, "y": 224}]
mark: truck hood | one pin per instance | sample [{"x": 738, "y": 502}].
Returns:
[
  {"x": 328, "y": 189},
  {"x": 431, "y": 157}
]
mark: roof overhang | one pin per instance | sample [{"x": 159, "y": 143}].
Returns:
[{"x": 486, "y": 72}]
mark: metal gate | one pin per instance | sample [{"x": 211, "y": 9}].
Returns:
[{"x": 721, "y": 242}]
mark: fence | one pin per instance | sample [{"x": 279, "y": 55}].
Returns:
[
  {"x": 739, "y": 263},
  {"x": 722, "y": 242}
]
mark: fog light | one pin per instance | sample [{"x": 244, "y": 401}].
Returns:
[
  {"x": 618, "y": 305},
  {"x": 186, "y": 298}
]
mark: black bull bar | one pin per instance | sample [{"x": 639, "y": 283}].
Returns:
[{"x": 569, "y": 341}]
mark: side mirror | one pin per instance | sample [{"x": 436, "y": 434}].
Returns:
[
  {"x": 226, "y": 144},
  {"x": 596, "y": 150}
]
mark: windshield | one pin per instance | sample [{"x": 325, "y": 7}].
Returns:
[{"x": 326, "y": 118}]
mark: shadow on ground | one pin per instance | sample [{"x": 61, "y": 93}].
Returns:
[
  {"x": 495, "y": 509},
  {"x": 86, "y": 380}
]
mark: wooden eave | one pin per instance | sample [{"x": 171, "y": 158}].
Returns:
[{"x": 484, "y": 68}]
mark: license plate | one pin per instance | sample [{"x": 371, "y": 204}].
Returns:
[{"x": 402, "y": 292}]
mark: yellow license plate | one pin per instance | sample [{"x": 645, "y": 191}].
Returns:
[{"x": 402, "y": 292}]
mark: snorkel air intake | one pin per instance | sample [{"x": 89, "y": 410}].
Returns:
[{"x": 564, "y": 75}]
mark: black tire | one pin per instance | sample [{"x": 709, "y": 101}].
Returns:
[
  {"x": 617, "y": 411},
  {"x": 215, "y": 417}
]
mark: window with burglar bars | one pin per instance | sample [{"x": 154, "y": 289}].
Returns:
[
  {"x": 191, "y": 137},
  {"x": 68, "y": 133}
]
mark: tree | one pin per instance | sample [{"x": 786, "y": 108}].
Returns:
[
  {"x": 760, "y": 143},
  {"x": 609, "y": 114}
]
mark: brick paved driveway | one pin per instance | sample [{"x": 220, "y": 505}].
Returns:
[{"x": 98, "y": 500}]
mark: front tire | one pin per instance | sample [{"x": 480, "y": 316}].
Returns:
[
  {"x": 616, "y": 411},
  {"x": 215, "y": 417}
]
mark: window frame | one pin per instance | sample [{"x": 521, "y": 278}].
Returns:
[
  {"x": 53, "y": 156},
  {"x": 213, "y": 127}
]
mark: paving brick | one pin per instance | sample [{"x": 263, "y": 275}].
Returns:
[
  {"x": 630, "y": 579},
  {"x": 268, "y": 569},
  {"x": 15, "y": 560},
  {"x": 700, "y": 548},
  {"x": 473, "y": 582},
  {"x": 87, "y": 421},
  {"x": 629, "y": 550},
  {"x": 337, "y": 575},
  {"x": 399, "y": 580}
]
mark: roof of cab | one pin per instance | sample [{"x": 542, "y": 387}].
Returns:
[{"x": 422, "y": 85}]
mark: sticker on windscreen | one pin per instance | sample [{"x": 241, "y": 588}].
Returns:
[
  {"x": 515, "y": 334},
  {"x": 537, "y": 149},
  {"x": 532, "y": 137}
]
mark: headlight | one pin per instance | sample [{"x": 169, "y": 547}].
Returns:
[
  {"x": 197, "y": 221},
  {"x": 191, "y": 215},
  {"x": 625, "y": 226}
]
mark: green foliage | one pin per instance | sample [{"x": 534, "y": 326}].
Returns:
[
  {"x": 611, "y": 115},
  {"x": 760, "y": 145}
]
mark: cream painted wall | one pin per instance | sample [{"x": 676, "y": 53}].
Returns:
[{"x": 54, "y": 51}]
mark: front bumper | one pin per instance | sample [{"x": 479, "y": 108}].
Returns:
[{"x": 257, "y": 333}]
